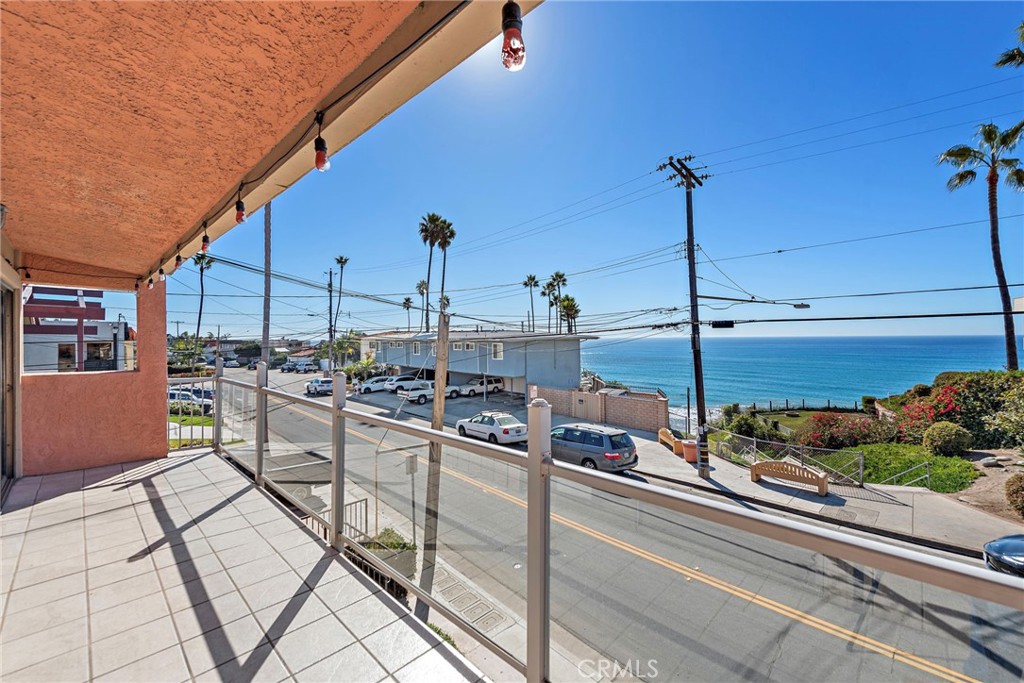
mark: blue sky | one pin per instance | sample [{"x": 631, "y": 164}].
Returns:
[{"x": 608, "y": 91}]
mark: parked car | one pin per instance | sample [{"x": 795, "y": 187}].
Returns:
[
  {"x": 288, "y": 367},
  {"x": 476, "y": 386},
  {"x": 403, "y": 382},
  {"x": 373, "y": 384},
  {"x": 1006, "y": 554},
  {"x": 203, "y": 393},
  {"x": 232, "y": 364},
  {"x": 183, "y": 396},
  {"x": 305, "y": 367},
  {"x": 595, "y": 447},
  {"x": 420, "y": 394},
  {"x": 494, "y": 425},
  {"x": 320, "y": 386},
  {"x": 253, "y": 363}
]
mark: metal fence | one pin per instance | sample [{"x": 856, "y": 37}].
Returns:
[
  {"x": 773, "y": 405},
  {"x": 191, "y": 409},
  {"x": 841, "y": 466},
  {"x": 367, "y": 455}
]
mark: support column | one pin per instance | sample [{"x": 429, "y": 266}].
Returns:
[
  {"x": 218, "y": 405},
  {"x": 338, "y": 462},
  {"x": 538, "y": 542},
  {"x": 261, "y": 419}
]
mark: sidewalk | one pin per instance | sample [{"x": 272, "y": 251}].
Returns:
[{"x": 903, "y": 511}]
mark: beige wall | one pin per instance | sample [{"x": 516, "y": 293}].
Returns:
[
  {"x": 76, "y": 420},
  {"x": 647, "y": 412}
]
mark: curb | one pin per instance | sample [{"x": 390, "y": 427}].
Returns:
[{"x": 896, "y": 535}]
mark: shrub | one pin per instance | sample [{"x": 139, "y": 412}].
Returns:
[
  {"x": 921, "y": 390},
  {"x": 946, "y": 438},
  {"x": 1010, "y": 418},
  {"x": 391, "y": 540},
  {"x": 184, "y": 408},
  {"x": 744, "y": 425},
  {"x": 832, "y": 430},
  {"x": 1015, "y": 493},
  {"x": 885, "y": 460},
  {"x": 729, "y": 412},
  {"x": 868, "y": 403}
]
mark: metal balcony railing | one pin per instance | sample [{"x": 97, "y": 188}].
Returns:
[{"x": 535, "y": 558}]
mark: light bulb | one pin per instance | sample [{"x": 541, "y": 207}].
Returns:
[
  {"x": 206, "y": 243},
  {"x": 149, "y": 285},
  {"x": 322, "y": 162},
  {"x": 163, "y": 275},
  {"x": 239, "y": 211},
  {"x": 513, "y": 50},
  {"x": 28, "y": 275},
  {"x": 177, "y": 261}
]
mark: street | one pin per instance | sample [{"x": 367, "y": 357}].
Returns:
[{"x": 680, "y": 598}]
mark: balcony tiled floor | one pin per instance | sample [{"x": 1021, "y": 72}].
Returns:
[{"x": 180, "y": 569}]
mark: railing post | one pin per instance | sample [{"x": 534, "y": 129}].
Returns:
[
  {"x": 860, "y": 468},
  {"x": 261, "y": 419},
  {"x": 538, "y": 541},
  {"x": 218, "y": 405},
  {"x": 338, "y": 462}
]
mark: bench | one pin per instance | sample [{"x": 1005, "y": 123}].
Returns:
[
  {"x": 781, "y": 469},
  {"x": 669, "y": 438}
]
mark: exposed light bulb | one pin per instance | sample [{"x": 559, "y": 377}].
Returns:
[
  {"x": 513, "y": 50},
  {"x": 163, "y": 275},
  {"x": 149, "y": 285},
  {"x": 206, "y": 243},
  {"x": 177, "y": 261},
  {"x": 322, "y": 162},
  {"x": 239, "y": 211},
  {"x": 28, "y": 275}
]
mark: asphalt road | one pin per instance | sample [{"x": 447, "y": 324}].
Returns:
[{"x": 670, "y": 597}]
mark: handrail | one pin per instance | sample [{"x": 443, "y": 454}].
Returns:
[
  {"x": 293, "y": 398},
  {"x": 928, "y": 475},
  {"x": 172, "y": 381},
  {"x": 236, "y": 383}
]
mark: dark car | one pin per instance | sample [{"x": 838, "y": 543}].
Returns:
[
  {"x": 253, "y": 363},
  {"x": 1006, "y": 554},
  {"x": 288, "y": 367},
  {"x": 595, "y": 447}
]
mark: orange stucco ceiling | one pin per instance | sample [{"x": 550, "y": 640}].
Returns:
[{"x": 125, "y": 124}]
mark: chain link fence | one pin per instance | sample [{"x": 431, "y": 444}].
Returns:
[{"x": 841, "y": 467}]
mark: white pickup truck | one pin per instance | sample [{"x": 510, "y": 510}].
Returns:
[{"x": 420, "y": 394}]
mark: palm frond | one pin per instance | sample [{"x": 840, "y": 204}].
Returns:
[
  {"x": 1009, "y": 138},
  {"x": 1015, "y": 179},
  {"x": 988, "y": 133},
  {"x": 1012, "y": 57},
  {"x": 961, "y": 155},
  {"x": 1007, "y": 164},
  {"x": 959, "y": 179}
]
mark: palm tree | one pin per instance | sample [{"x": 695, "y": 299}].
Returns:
[
  {"x": 203, "y": 262},
  {"x": 555, "y": 302},
  {"x": 430, "y": 230},
  {"x": 558, "y": 281},
  {"x": 445, "y": 237},
  {"x": 1014, "y": 56},
  {"x": 531, "y": 283},
  {"x": 421, "y": 288},
  {"x": 407, "y": 305},
  {"x": 570, "y": 311},
  {"x": 546, "y": 291},
  {"x": 993, "y": 146}
]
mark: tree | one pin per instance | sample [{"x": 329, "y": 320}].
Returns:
[
  {"x": 570, "y": 311},
  {"x": 421, "y": 288},
  {"x": 547, "y": 291},
  {"x": 558, "y": 280},
  {"x": 430, "y": 231},
  {"x": 407, "y": 305},
  {"x": 203, "y": 262},
  {"x": 1014, "y": 56},
  {"x": 993, "y": 146},
  {"x": 531, "y": 283},
  {"x": 445, "y": 237}
]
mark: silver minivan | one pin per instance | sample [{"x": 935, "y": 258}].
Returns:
[{"x": 595, "y": 447}]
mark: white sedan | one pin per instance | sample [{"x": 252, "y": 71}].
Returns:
[
  {"x": 373, "y": 384},
  {"x": 493, "y": 425}
]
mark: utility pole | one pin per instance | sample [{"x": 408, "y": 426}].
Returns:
[
  {"x": 265, "y": 342},
  {"x": 688, "y": 179},
  {"x": 432, "y": 503},
  {"x": 177, "y": 327},
  {"x": 330, "y": 323}
]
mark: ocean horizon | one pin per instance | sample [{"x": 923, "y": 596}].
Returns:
[{"x": 817, "y": 370}]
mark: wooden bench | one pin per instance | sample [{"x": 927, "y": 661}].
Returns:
[
  {"x": 669, "y": 438},
  {"x": 781, "y": 469}
]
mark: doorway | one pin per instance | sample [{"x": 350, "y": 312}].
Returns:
[{"x": 7, "y": 379}]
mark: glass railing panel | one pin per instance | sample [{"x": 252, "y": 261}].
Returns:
[
  {"x": 238, "y": 424},
  {"x": 660, "y": 595},
  {"x": 297, "y": 459}
]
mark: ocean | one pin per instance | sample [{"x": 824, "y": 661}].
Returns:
[{"x": 815, "y": 369}]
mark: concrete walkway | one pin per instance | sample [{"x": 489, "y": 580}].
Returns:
[
  {"x": 907, "y": 511},
  {"x": 181, "y": 569}
]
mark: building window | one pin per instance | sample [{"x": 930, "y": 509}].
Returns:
[
  {"x": 66, "y": 358},
  {"x": 497, "y": 351},
  {"x": 415, "y": 348},
  {"x": 471, "y": 346},
  {"x": 457, "y": 346},
  {"x": 373, "y": 346}
]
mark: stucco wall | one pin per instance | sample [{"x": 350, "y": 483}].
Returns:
[
  {"x": 649, "y": 413},
  {"x": 560, "y": 399},
  {"x": 84, "y": 419}
]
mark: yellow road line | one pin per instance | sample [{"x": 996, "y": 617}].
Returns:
[{"x": 696, "y": 575}]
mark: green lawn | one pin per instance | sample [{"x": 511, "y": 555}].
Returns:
[
  {"x": 188, "y": 443},
  {"x": 193, "y": 420},
  {"x": 786, "y": 421},
  {"x": 883, "y": 460}
]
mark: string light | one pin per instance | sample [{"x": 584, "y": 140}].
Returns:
[
  {"x": 149, "y": 285},
  {"x": 239, "y": 208},
  {"x": 323, "y": 164},
  {"x": 177, "y": 261},
  {"x": 28, "y": 275},
  {"x": 163, "y": 275},
  {"x": 136, "y": 286},
  {"x": 206, "y": 238},
  {"x": 513, "y": 50}
]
